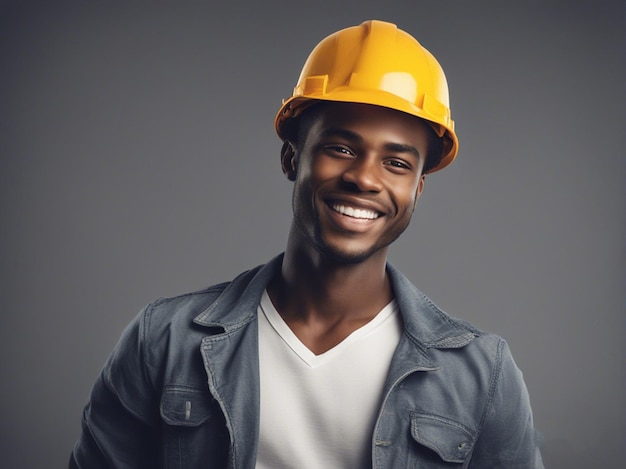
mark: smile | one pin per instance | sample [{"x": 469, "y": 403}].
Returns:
[{"x": 358, "y": 213}]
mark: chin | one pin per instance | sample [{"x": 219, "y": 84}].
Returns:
[{"x": 344, "y": 256}]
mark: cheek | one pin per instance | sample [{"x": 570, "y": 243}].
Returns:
[
  {"x": 406, "y": 197},
  {"x": 323, "y": 168},
  {"x": 302, "y": 198},
  {"x": 315, "y": 175},
  {"x": 309, "y": 174}
]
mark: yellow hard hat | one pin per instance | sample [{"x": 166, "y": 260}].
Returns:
[{"x": 376, "y": 63}]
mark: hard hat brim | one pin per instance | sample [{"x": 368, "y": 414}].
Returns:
[{"x": 293, "y": 106}]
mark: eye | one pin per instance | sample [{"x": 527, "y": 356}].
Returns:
[
  {"x": 338, "y": 150},
  {"x": 397, "y": 165}
]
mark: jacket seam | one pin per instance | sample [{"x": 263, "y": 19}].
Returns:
[
  {"x": 213, "y": 288},
  {"x": 213, "y": 389},
  {"x": 495, "y": 377},
  {"x": 144, "y": 344}
]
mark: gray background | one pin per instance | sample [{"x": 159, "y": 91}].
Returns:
[{"x": 138, "y": 160}]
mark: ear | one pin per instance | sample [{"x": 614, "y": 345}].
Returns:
[
  {"x": 288, "y": 160},
  {"x": 419, "y": 190}
]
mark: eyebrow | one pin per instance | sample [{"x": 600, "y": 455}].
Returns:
[{"x": 353, "y": 136}]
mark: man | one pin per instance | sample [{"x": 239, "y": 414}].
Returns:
[{"x": 326, "y": 357}]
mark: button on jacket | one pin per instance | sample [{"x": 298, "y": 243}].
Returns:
[{"x": 181, "y": 389}]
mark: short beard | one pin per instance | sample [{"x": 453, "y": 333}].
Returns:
[
  {"x": 348, "y": 258},
  {"x": 342, "y": 258}
]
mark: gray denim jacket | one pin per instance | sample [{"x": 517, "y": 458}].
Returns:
[{"x": 181, "y": 389}]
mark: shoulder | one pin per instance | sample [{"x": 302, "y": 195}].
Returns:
[
  {"x": 199, "y": 313},
  {"x": 451, "y": 338},
  {"x": 447, "y": 339},
  {"x": 478, "y": 359},
  {"x": 166, "y": 311}
]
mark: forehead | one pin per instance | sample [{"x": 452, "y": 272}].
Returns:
[{"x": 369, "y": 121}]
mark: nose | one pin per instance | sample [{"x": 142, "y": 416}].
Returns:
[{"x": 364, "y": 175}]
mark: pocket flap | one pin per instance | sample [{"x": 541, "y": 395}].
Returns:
[
  {"x": 185, "y": 406},
  {"x": 450, "y": 440}
]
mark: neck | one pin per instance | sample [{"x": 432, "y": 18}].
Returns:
[{"x": 312, "y": 286}]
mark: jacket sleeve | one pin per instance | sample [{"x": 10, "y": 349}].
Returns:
[
  {"x": 508, "y": 439},
  {"x": 120, "y": 422}
]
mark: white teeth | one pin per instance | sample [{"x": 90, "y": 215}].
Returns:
[{"x": 355, "y": 212}]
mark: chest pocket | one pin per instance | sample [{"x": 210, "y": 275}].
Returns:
[
  {"x": 185, "y": 406},
  {"x": 449, "y": 440},
  {"x": 194, "y": 430}
]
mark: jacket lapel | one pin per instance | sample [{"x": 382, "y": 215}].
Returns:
[{"x": 231, "y": 359}]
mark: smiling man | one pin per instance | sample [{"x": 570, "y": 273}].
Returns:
[{"x": 327, "y": 356}]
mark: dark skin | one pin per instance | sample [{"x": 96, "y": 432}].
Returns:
[{"x": 357, "y": 172}]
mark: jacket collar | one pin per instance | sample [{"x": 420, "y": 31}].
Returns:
[
  {"x": 237, "y": 304},
  {"x": 425, "y": 324}
]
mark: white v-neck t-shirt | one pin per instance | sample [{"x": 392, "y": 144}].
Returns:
[{"x": 319, "y": 411}]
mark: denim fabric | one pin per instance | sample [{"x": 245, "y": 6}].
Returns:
[{"x": 181, "y": 389}]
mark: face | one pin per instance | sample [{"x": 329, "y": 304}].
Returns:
[{"x": 358, "y": 175}]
